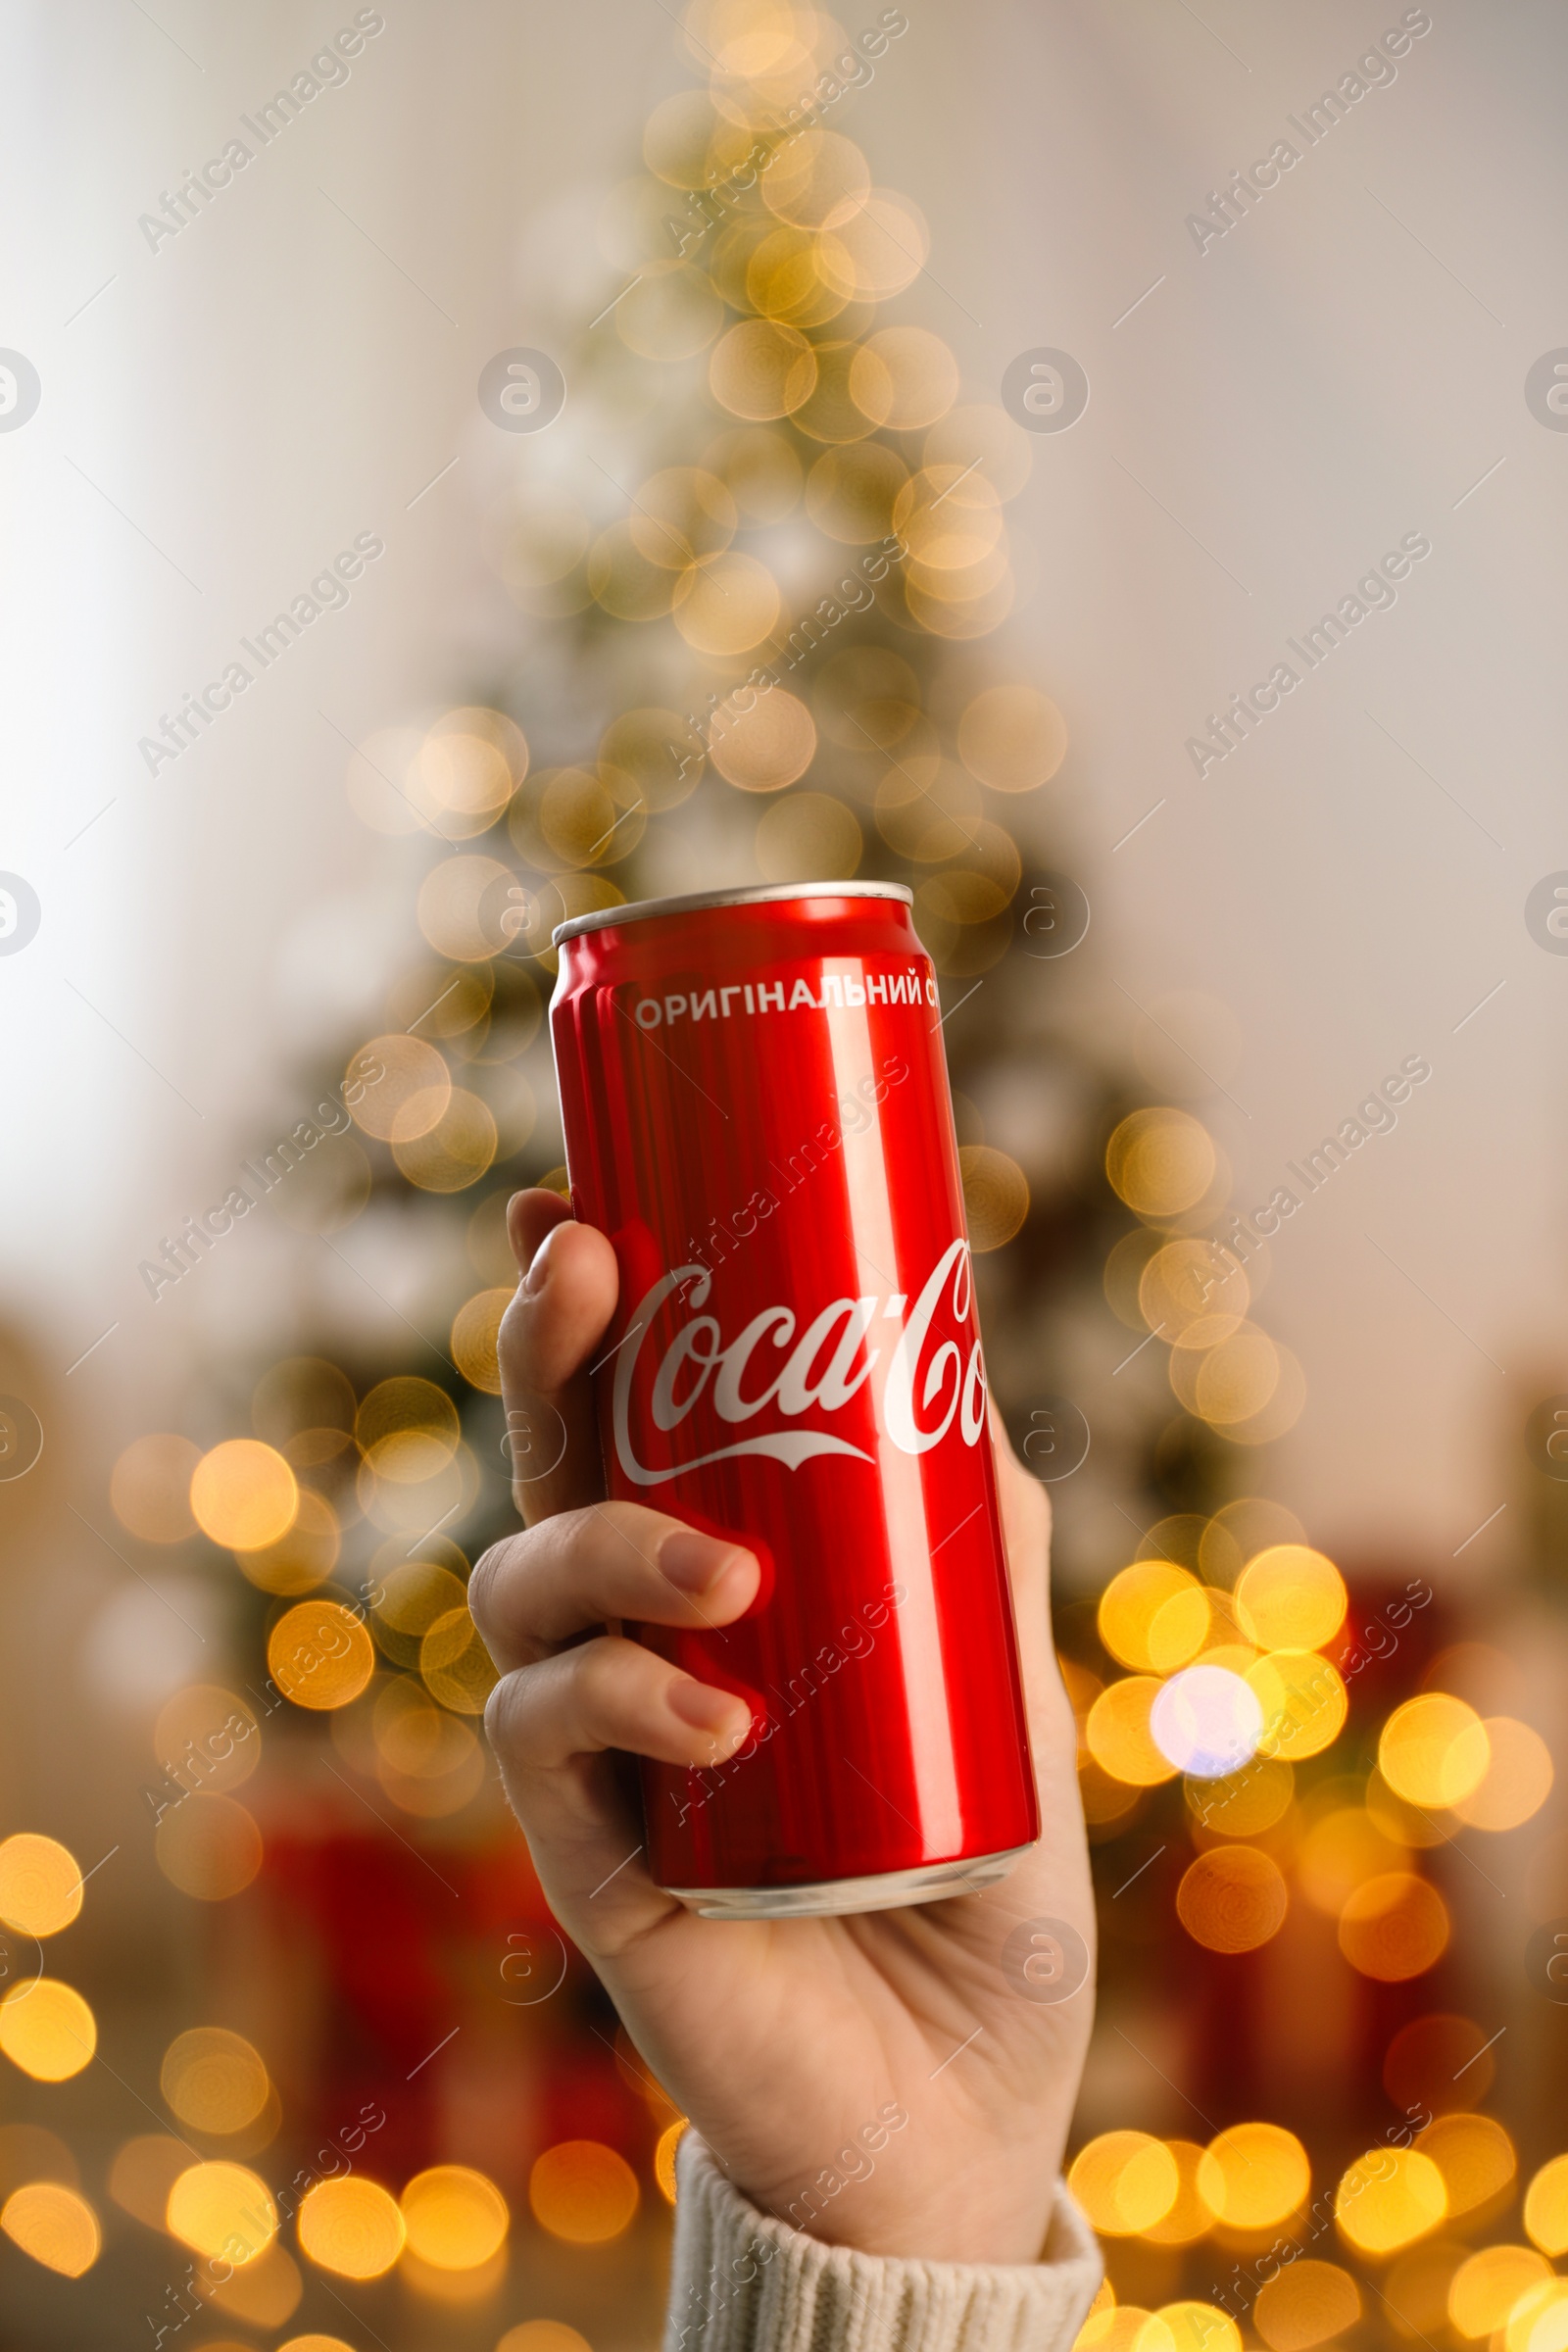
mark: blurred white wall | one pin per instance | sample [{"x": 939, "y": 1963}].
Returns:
[{"x": 220, "y": 416}]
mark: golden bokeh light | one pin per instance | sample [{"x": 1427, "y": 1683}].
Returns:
[
  {"x": 1545, "y": 2214},
  {"x": 1538, "y": 2320},
  {"x": 651, "y": 755},
  {"x": 1193, "y": 1293},
  {"x": 759, "y": 469},
  {"x": 1394, "y": 1926},
  {"x": 1306, "y": 2306},
  {"x": 312, "y": 2343},
  {"x": 1517, "y": 1781},
  {"x": 1118, "y": 1735},
  {"x": 543, "y": 2335},
  {"x": 307, "y": 1552},
  {"x": 208, "y": 1847},
  {"x": 456, "y": 1152},
  {"x": 1231, "y": 1383},
  {"x": 53, "y": 2224},
  {"x": 1188, "y": 2217},
  {"x": 1486, "y": 2287},
  {"x": 1389, "y": 2198},
  {"x": 767, "y": 746},
  {"x": 947, "y": 521},
  {"x": 1341, "y": 1850},
  {"x": 903, "y": 377},
  {"x": 456, "y": 2218},
  {"x": 1291, "y": 1597},
  {"x": 807, "y": 836},
  {"x": 996, "y": 1195},
  {"x": 1232, "y": 1900},
  {"x": 1304, "y": 1700},
  {"x": 762, "y": 370},
  {"x": 476, "y": 1332},
  {"x": 927, "y": 815},
  {"x": 320, "y": 1654},
  {"x": 1125, "y": 2182},
  {"x": 878, "y": 252},
  {"x": 427, "y": 1760},
  {"x": 149, "y": 1487},
  {"x": 818, "y": 179},
  {"x": 40, "y": 1884},
  {"x": 266, "y": 2293},
  {"x": 1114, "y": 2326},
  {"x": 206, "y": 1737},
  {"x": 244, "y": 1495},
  {"x": 681, "y": 515},
  {"x": 352, "y": 2227},
  {"x": 399, "y": 1086},
  {"x": 1434, "y": 1750},
  {"x": 582, "y": 2191},
  {"x": 1190, "y": 2327},
  {"x": 1160, "y": 1161},
  {"x": 213, "y": 2079},
  {"x": 1153, "y": 1617},
  {"x": 223, "y": 2210},
  {"x": 406, "y": 1429},
  {"x": 1244, "y": 1803},
  {"x": 456, "y": 1665},
  {"x": 664, "y": 2157},
  {"x": 1475, "y": 2156},
  {"x": 468, "y": 766},
  {"x": 627, "y": 584},
  {"x": 47, "y": 2029},
  {"x": 852, "y": 492},
  {"x": 726, "y": 607},
  {"x": 1402, "y": 1823},
  {"x": 411, "y": 1595},
  {"x": 1254, "y": 2175}
]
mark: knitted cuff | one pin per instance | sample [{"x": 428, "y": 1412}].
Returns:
[{"x": 743, "y": 2280}]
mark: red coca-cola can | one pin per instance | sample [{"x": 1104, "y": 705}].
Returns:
[{"x": 753, "y": 1092}]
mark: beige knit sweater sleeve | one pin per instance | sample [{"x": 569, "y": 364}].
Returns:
[{"x": 745, "y": 2282}]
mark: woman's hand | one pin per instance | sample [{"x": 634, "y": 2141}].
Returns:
[{"x": 794, "y": 2045}]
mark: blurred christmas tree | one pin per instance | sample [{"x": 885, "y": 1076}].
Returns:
[{"x": 761, "y": 556}]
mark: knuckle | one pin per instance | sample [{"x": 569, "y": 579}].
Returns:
[{"x": 491, "y": 1572}]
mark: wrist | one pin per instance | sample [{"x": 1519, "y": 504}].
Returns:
[{"x": 995, "y": 2209}]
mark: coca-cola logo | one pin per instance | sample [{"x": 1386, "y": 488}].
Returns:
[{"x": 932, "y": 1377}]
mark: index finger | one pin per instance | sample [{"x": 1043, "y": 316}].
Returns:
[{"x": 546, "y": 1348}]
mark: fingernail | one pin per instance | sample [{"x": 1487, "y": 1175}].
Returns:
[
  {"x": 538, "y": 1274},
  {"x": 704, "y": 1708},
  {"x": 693, "y": 1562}
]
